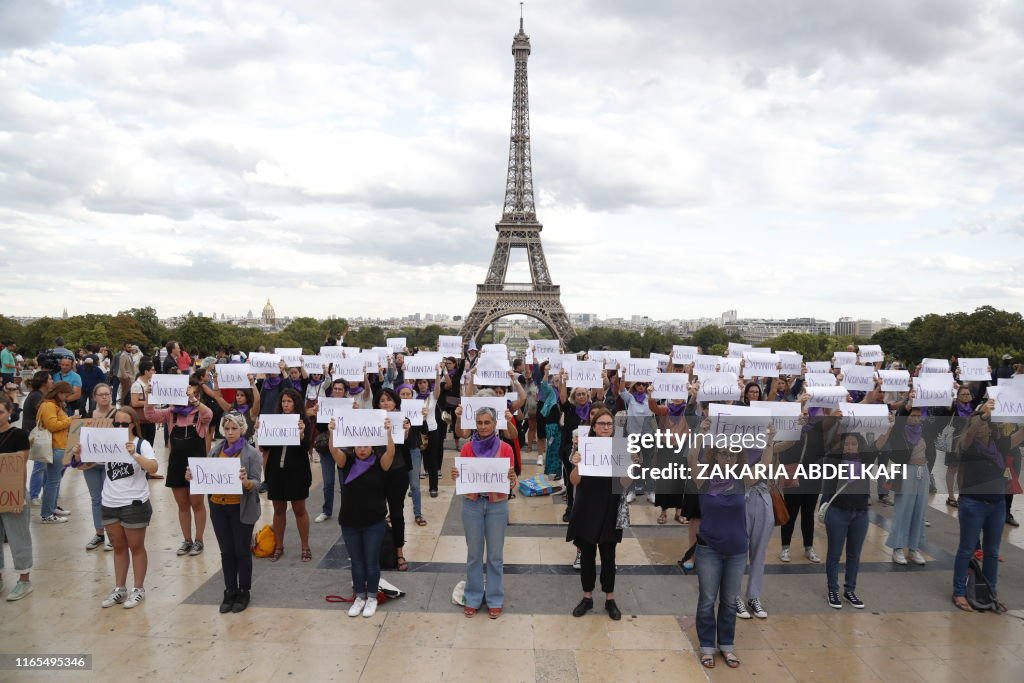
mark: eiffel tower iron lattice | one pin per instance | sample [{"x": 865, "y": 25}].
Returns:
[{"x": 519, "y": 229}]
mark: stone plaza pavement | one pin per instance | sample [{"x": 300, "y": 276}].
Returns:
[{"x": 910, "y": 631}]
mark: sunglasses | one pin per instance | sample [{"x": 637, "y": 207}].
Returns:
[{"x": 122, "y": 424}]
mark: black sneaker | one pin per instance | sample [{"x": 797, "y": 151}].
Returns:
[
  {"x": 852, "y": 598},
  {"x": 1011, "y": 520},
  {"x": 833, "y": 600},
  {"x": 613, "y": 610},
  {"x": 567, "y": 514},
  {"x": 586, "y": 604},
  {"x": 241, "y": 600},
  {"x": 229, "y": 599}
]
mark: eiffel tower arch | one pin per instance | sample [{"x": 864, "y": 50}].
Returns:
[{"x": 519, "y": 229}]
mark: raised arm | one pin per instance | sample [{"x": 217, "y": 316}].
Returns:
[
  {"x": 340, "y": 457},
  {"x": 389, "y": 452}
]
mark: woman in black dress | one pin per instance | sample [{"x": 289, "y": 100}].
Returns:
[
  {"x": 288, "y": 475},
  {"x": 396, "y": 479},
  {"x": 593, "y": 523}
]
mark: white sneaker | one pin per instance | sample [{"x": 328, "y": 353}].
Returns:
[
  {"x": 108, "y": 546},
  {"x": 370, "y": 608},
  {"x": 784, "y": 554},
  {"x": 916, "y": 557},
  {"x": 20, "y": 590},
  {"x": 631, "y": 496},
  {"x": 755, "y": 607},
  {"x": 540, "y": 461},
  {"x": 577, "y": 564},
  {"x": 54, "y": 519},
  {"x": 321, "y": 518},
  {"x": 135, "y": 598},
  {"x": 357, "y": 607},
  {"x": 116, "y": 597},
  {"x": 36, "y": 502},
  {"x": 898, "y": 557},
  {"x": 650, "y": 497},
  {"x": 812, "y": 556},
  {"x": 741, "y": 609},
  {"x": 61, "y": 512}
]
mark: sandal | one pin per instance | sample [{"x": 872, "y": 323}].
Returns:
[
  {"x": 1000, "y": 608},
  {"x": 278, "y": 552},
  {"x": 307, "y": 555},
  {"x": 731, "y": 660},
  {"x": 420, "y": 521},
  {"x": 469, "y": 611},
  {"x": 663, "y": 517},
  {"x": 681, "y": 519},
  {"x": 707, "y": 661},
  {"x": 952, "y": 502},
  {"x": 403, "y": 566},
  {"x": 965, "y": 606}
]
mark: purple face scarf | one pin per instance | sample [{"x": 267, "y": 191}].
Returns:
[
  {"x": 856, "y": 465},
  {"x": 486, "y": 448},
  {"x": 360, "y": 467},
  {"x": 183, "y": 410},
  {"x": 812, "y": 413},
  {"x": 243, "y": 409},
  {"x": 272, "y": 382},
  {"x": 233, "y": 449},
  {"x": 296, "y": 384},
  {"x": 640, "y": 396},
  {"x": 316, "y": 382},
  {"x": 355, "y": 392},
  {"x": 912, "y": 433},
  {"x": 991, "y": 452},
  {"x": 964, "y": 409},
  {"x": 426, "y": 394},
  {"x": 676, "y": 409},
  {"x": 583, "y": 412}
]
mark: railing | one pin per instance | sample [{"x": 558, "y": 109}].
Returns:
[{"x": 517, "y": 287}]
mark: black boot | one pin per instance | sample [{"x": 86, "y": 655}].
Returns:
[
  {"x": 241, "y": 600},
  {"x": 612, "y": 609},
  {"x": 586, "y": 604},
  {"x": 229, "y": 599}
]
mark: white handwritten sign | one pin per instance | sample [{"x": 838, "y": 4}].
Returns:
[
  {"x": 865, "y": 418},
  {"x": 871, "y": 353},
  {"x": 819, "y": 366},
  {"x": 350, "y": 351},
  {"x": 974, "y": 370},
  {"x": 481, "y": 475},
  {"x": 738, "y": 419},
  {"x": 820, "y": 379},
  {"x": 104, "y": 444},
  {"x": 704, "y": 364},
  {"x": 895, "y": 380},
  {"x": 671, "y": 385},
  {"x": 736, "y": 350},
  {"x": 934, "y": 389},
  {"x": 412, "y": 409},
  {"x": 598, "y": 457},
  {"x": 422, "y": 366},
  {"x": 396, "y": 344},
  {"x": 332, "y": 354},
  {"x": 557, "y": 363},
  {"x": 233, "y": 375},
  {"x": 492, "y": 371},
  {"x": 450, "y": 345},
  {"x": 826, "y": 397},
  {"x": 471, "y": 404},
  {"x": 640, "y": 370},
  {"x": 586, "y": 374},
  {"x": 291, "y": 357},
  {"x": 662, "y": 360},
  {"x": 934, "y": 365},
  {"x": 327, "y": 407},
  {"x": 278, "y": 430},
  {"x": 719, "y": 386},
  {"x": 760, "y": 364},
  {"x": 168, "y": 389},
  {"x": 314, "y": 365},
  {"x": 265, "y": 363},
  {"x": 350, "y": 369},
  {"x": 859, "y": 377},
  {"x": 683, "y": 355},
  {"x": 359, "y": 428},
  {"x": 785, "y": 416},
  {"x": 729, "y": 365},
  {"x": 843, "y": 358},
  {"x": 215, "y": 475},
  {"x": 397, "y": 426},
  {"x": 792, "y": 363},
  {"x": 500, "y": 350},
  {"x": 1009, "y": 403},
  {"x": 543, "y": 349}
]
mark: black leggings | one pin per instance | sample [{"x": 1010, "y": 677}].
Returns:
[
  {"x": 147, "y": 430},
  {"x": 433, "y": 455},
  {"x": 564, "y": 456},
  {"x": 804, "y": 503},
  {"x": 233, "y": 537},
  {"x": 396, "y": 487},
  {"x": 588, "y": 566}
]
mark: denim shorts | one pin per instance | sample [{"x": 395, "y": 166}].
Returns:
[{"x": 134, "y": 516}]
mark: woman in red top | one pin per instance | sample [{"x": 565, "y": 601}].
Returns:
[{"x": 484, "y": 519}]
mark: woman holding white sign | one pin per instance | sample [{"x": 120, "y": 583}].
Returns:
[
  {"x": 484, "y": 520},
  {"x": 103, "y": 408},
  {"x": 363, "y": 472},
  {"x": 430, "y": 393},
  {"x": 140, "y": 389},
  {"x": 417, "y": 437},
  {"x": 594, "y": 523},
  {"x": 397, "y": 477},
  {"x": 127, "y": 511},
  {"x": 187, "y": 426},
  {"x": 287, "y": 472},
  {"x": 234, "y": 516},
  {"x": 245, "y": 402},
  {"x": 576, "y": 411}
]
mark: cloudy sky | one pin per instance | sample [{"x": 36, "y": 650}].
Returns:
[{"x": 782, "y": 158}]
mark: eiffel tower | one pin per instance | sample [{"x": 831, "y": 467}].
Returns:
[{"x": 519, "y": 229}]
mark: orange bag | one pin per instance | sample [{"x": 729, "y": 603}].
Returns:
[{"x": 263, "y": 543}]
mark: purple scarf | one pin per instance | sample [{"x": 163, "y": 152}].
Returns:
[
  {"x": 754, "y": 455},
  {"x": 355, "y": 392},
  {"x": 426, "y": 394},
  {"x": 486, "y": 448},
  {"x": 676, "y": 409},
  {"x": 858, "y": 466},
  {"x": 964, "y": 409},
  {"x": 639, "y": 396},
  {"x": 316, "y": 382},
  {"x": 991, "y": 452},
  {"x": 183, "y": 410},
  {"x": 296, "y": 384},
  {"x": 398, "y": 389},
  {"x": 583, "y": 412},
  {"x": 912, "y": 434},
  {"x": 359, "y": 468},
  {"x": 232, "y": 449},
  {"x": 272, "y": 382},
  {"x": 811, "y": 414},
  {"x": 243, "y": 409}
]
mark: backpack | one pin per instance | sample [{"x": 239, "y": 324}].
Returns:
[
  {"x": 980, "y": 594},
  {"x": 263, "y": 543},
  {"x": 388, "y": 553}
]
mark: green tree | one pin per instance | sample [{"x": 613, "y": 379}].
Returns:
[
  {"x": 202, "y": 333},
  {"x": 150, "y": 323},
  {"x": 11, "y": 329}
]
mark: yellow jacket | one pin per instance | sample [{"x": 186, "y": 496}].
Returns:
[{"x": 52, "y": 418}]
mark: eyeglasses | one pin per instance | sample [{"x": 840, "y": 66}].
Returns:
[
  {"x": 604, "y": 423},
  {"x": 122, "y": 424}
]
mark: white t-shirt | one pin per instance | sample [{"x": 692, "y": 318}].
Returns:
[{"x": 124, "y": 482}]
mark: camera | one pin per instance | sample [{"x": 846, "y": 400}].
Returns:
[{"x": 48, "y": 360}]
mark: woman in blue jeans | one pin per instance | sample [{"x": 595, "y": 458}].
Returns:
[
  {"x": 982, "y": 499},
  {"x": 53, "y": 418},
  {"x": 103, "y": 408},
  {"x": 364, "y": 505},
  {"x": 721, "y": 555},
  {"x": 484, "y": 519},
  {"x": 416, "y": 438}
]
